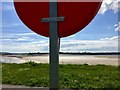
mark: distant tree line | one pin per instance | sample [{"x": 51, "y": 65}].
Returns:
[{"x": 71, "y": 53}]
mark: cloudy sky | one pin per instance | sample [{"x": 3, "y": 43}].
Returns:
[{"x": 101, "y": 35}]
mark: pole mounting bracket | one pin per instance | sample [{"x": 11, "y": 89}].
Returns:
[{"x": 52, "y": 19}]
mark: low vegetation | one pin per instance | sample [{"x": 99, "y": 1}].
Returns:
[{"x": 71, "y": 76}]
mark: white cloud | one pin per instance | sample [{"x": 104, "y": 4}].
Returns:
[
  {"x": 109, "y": 5},
  {"x": 23, "y": 42},
  {"x": 92, "y": 46},
  {"x": 117, "y": 26},
  {"x": 24, "y": 39},
  {"x": 17, "y": 35},
  {"x": 21, "y": 37},
  {"x": 39, "y": 46},
  {"x": 6, "y": 7},
  {"x": 24, "y": 34},
  {"x": 111, "y": 38},
  {"x": 6, "y": 0},
  {"x": 16, "y": 39},
  {"x": 27, "y": 35},
  {"x": 23, "y": 48},
  {"x": 102, "y": 45}
]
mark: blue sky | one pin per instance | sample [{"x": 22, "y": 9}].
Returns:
[{"x": 101, "y": 35}]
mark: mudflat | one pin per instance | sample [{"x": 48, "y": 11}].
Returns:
[{"x": 65, "y": 59}]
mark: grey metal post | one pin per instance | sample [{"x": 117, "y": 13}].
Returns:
[
  {"x": 54, "y": 51},
  {"x": 54, "y": 45}
]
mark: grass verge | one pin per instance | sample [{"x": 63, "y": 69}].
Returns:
[{"x": 71, "y": 76}]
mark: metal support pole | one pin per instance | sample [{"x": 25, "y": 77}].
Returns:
[
  {"x": 54, "y": 49},
  {"x": 54, "y": 44}
]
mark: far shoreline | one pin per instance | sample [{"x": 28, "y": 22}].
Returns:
[{"x": 69, "y": 53}]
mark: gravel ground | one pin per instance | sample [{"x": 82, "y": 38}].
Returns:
[{"x": 20, "y": 86}]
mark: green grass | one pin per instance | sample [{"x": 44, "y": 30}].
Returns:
[{"x": 71, "y": 76}]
